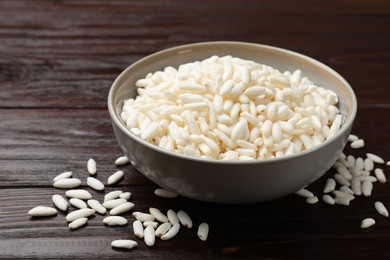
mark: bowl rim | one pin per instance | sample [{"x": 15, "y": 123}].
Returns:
[{"x": 182, "y": 48}]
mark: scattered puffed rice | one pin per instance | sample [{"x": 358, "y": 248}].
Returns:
[
  {"x": 149, "y": 235},
  {"x": 95, "y": 183},
  {"x": 367, "y": 188},
  {"x": 367, "y": 222},
  {"x": 352, "y": 138},
  {"x": 304, "y": 193},
  {"x": 67, "y": 183},
  {"x": 184, "y": 219},
  {"x": 138, "y": 229},
  {"x": 203, "y": 231},
  {"x": 122, "y": 208},
  {"x": 347, "y": 190},
  {"x": 110, "y": 204},
  {"x": 78, "y": 203},
  {"x": 154, "y": 224},
  {"x": 94, "y": 204},
  {"x": 60, "y": 202},
  {"x": 143, "y": 216},
  {"x": 124, "y": 243},
  {"x": 328, "y": 199},
  {"x": 125, "y": 195},
  {"x": 42, "y": 211},
  {"x": 77, "y": 223},
  {"x": 172, "y": 217},
  {"x": 341, "y": 180},
  {"x": 115, "y": 177},
  {"x": 64, "y": 175},
  {"x": 165, "y": 193},
  {"x": 357, "y": 144},
  {"x": 121, "y": 161},
  {"x": 163, "y": 229},
  {"x": 342, "y": 201},
  {"x": 312, "y": 200},
  {"x": 381, "y": 209},
  {"x": 158, "y": 215},
  {"x": 356, "y": 186},
  {"x": 172, "y": 232},
  {"x": 81, "y": 213},
  {"x": 375, "y": 158},
  {"x": 341, "y": 194},
  {"x": 112, "y": 195},
  {"x": 380, "y": 175},
  {"x": 91, "y": 166},
  {"x": 79, "y": 194},
  {"x": 330, "y": 185},
  {"x": 115, "y": 221}
]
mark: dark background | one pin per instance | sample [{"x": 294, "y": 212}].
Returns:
[{"x": 57, "y": 62}]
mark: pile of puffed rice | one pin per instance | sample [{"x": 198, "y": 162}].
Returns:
[{"x": 229, "y": 108}]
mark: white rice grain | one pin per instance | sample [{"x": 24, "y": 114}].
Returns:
[
  {"x": 203, "y": 231},
  {"x": 375, "y": 158},
  {"x": 64, "y": 175},
  {"x": 121, "y": 161},
  {"x": 163, "y": 229},
  {"x": 42, "y": 211},
  {"x": 328, "y": 199},
  {"x": 95, "y": 204},
  {"x": 81, "y": 213},
  {"x": 172, "y": 232},
  {"x": 143, "y": 216},
  {"x": 381, "y": 209},
  {"x": 114, "y": 178},
  {"x": 115, "y": 221},
  {"x": 67, "y": 183},
  {"x": 125, "y": 195},
  {"x": 367, "y": 188},
  {"x": 78, "y": 223},
  {"x": 112, "y": 195},
  {"x": 91, "y": 166},
  {"x": 312, "y": 200},
  {"x": 78, "y": 203},
  {"x": 138, "y": 229},
  {"x": 95, "y": 184},
  {"x": 124, "y": 243},
  {"x": 149, "y": 236},
  {"x": 122, "y": 208},
  {"x": 357, "y": 144},
  {"x": 172, "y": 217},
  {"x": 304, "y": 193},
  {"x": 330, "y": 185},
  {"x": 60, "y": 202},
  {"x": 110, "y": 204},
  {"x": 79, "y": 194},
  {"x": 380, "y": 175},
  {"x": 367, "y": 222},
  {"x": 156, "y": 213},
  {"x": 184, "y": 219}
]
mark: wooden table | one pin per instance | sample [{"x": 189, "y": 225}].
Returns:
[{"x": 57, "y": 62}]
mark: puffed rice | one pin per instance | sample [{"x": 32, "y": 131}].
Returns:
[
  {"x": 124, "y": 243},
  {"x": 42, "y": 211},
  {"x": 91, "y": 166},
  {"x": 174, "y": 111}
]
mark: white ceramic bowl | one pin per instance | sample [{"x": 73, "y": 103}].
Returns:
[{"x": 231, "y": 181}]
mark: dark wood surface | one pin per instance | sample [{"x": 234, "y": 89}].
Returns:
[{"x": 57, "y": 62}]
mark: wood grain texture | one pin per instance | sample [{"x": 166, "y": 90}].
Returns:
[{"x": 57, "y": 62}]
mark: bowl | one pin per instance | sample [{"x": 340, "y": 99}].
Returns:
[{"x": 231, "y": 182}]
